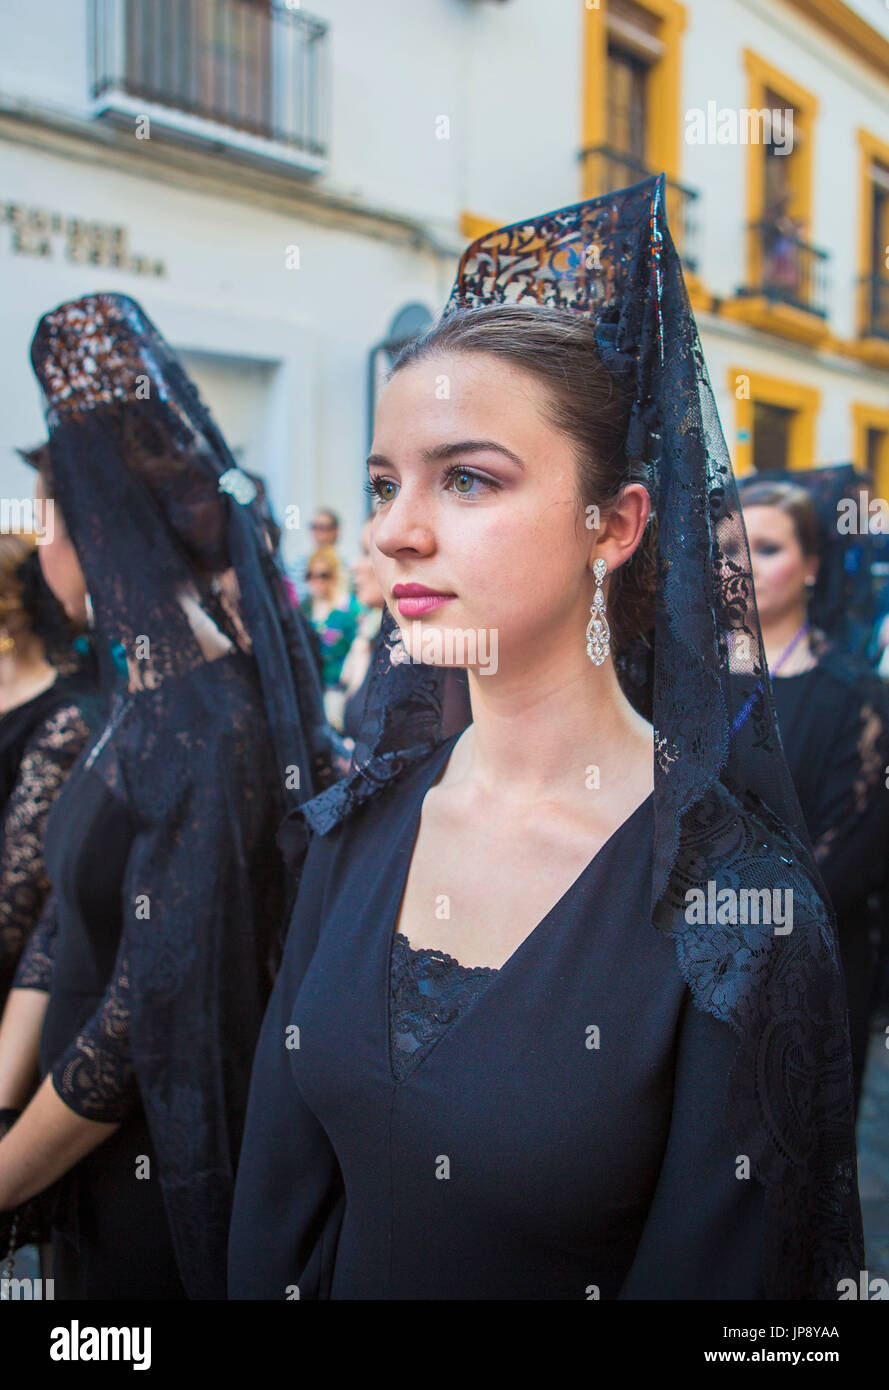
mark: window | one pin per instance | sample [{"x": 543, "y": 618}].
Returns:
[
  {"x": 774, "y": 422},
  {"x": 870, "y": 434},
  {"x": 627, "y": 107},
  {"x": 630, "y": 91},
  {"x": 771, "y": 436},
  {"x": 782, "y": 268},
  {"x": 873, "y": 273},
  {"x": 212, "y": 57}
]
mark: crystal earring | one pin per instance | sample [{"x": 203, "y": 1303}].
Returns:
[{"x": 598, "y": 633}]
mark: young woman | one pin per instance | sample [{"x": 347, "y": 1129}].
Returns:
[
  {"x": 832, "y": 711},
  {"x": 508, "y": 1055},
  {"x": 149, "y": 981}
]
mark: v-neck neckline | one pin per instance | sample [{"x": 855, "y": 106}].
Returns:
[{"x": 432, "y": 771}]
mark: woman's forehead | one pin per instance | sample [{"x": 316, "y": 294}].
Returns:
[{"x": 458, "y": 397}]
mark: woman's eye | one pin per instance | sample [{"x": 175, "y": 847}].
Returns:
[
  {"x": 464, "y": 480},
  {"x": 377, "y": 489}
]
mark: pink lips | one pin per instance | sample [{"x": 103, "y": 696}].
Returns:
[{"x": 415, "y": 599}]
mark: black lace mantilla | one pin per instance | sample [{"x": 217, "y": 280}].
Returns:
[{"x": 789, "y": 1100}]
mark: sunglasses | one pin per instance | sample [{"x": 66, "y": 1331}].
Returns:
[{"x": 318, "y": 574}]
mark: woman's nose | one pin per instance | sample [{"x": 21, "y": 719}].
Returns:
[{"x": 405, "y": 524}]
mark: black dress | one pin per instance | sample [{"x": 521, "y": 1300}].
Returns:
[
  {"x": 548, "y": 1130},
  {"x": 39, "y": 741},
  {"x": 835, "y": 733},
  {"x": 110, "y": 1233}
]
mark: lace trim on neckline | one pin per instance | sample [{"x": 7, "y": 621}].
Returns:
[{"x": 435, "y": 953}]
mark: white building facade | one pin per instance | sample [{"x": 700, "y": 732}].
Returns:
[{"x": 276, "y": 183}]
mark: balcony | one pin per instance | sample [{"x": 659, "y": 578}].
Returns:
[
  {"x": 787, "y": 285},
  {"x": 606, "y": 169},
  {"x": 786, "y": 269},
  {"x": 246, "y": 76}
]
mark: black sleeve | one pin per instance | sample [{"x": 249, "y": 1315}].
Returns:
[
  {"x": 703, "y": 1237},
  {"x": 288, "y": 1195},
  {"x": 35, "y": 967},
  {"x": 850, "y": 833}
]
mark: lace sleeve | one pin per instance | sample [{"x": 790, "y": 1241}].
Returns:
[
  {"x": 95, "y": 1077},
  {"x": 35, "y": 967},
  {"x": 24, "y": 886}
]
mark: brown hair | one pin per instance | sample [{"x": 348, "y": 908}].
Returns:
[
  {"x": 328, "y": 556},
  {"x": 584, "y": 402},
  {"x": 789, "y": 498},
  {"x": 15, "y": 548}
]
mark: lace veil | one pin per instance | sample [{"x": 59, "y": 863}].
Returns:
[
  {"x": 219, "y": 730},
  {"x": 725, "y": 809}
]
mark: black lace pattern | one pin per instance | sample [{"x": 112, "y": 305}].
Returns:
[
  {"x": 24, "y": 886},
  {"x": 429, "y": 989},
  {"x": 35, "y": 967},
  {"x": 788, "y": 1105}
]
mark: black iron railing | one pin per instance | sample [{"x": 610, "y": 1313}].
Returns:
[
  {"x": 785, "y": 268},
  {"x": 606, "y": 169},
  {"x": 873, "y": 302},
  {"x": 254, "y": 66}
]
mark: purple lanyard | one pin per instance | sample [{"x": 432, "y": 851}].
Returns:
[{"x": 745, "y": 712}]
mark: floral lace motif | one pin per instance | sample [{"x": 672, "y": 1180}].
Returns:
[
  {"x": 789, "y": 1097},
  {"x": 428, "y": 990},
  {"x": 96, "y": 1076},
  {"x": 24, "y": 885},
  {"x": 35, "y": 967}
]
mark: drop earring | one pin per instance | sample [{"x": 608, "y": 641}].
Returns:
[{"x": 598, "y": 633}]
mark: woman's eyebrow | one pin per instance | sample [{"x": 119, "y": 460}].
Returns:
[{"x": 446, "y": 451}]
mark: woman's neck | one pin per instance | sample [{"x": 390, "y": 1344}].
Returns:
[
  {"x": 556, "y": 735},
  {"x": 777, "y": 636},
  {"x": 23, "y": 676}
]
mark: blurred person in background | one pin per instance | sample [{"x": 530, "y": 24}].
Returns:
[
  {"x": 334, "y": 616},
  {"x": 42, "y": 731},
  {"x": 833, "y": 713},
  {"x": 325, "y": 528},
  {"x": 356, "y": 667}
]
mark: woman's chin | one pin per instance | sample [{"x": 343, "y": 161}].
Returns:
[{"x": 449, "y": 646}]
